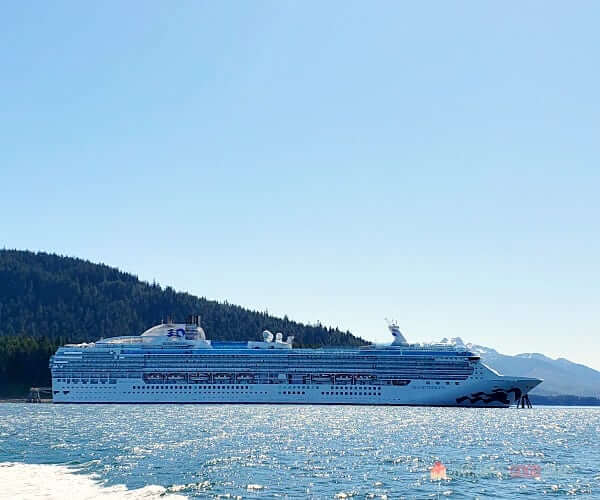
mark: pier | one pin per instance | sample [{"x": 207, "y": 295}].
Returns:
[
  {"x": 524, "y": 402},
  {"x": 40, "y": 395}
]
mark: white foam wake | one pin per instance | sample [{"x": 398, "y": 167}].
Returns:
[{"x": 32, "y": 481}]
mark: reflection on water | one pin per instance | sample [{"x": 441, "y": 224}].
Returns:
[{"x": 299, "y": 451}]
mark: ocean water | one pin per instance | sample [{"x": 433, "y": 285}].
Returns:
[{"x": 247, "y": 451}]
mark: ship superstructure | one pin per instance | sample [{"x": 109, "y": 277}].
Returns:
[{"x": 175, "y": 363}]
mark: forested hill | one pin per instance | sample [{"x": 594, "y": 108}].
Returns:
[{"x": 53, "y": 297}]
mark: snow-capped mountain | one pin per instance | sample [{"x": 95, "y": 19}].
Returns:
[{"x": 560, "y": 376}]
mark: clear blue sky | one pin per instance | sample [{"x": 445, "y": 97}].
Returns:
[{"x": 336, "y": 161}]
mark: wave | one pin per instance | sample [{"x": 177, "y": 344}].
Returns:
[{"x": 32, "y": 481}]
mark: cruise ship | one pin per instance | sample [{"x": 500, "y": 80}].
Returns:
[{"x": 175, "y": 363}]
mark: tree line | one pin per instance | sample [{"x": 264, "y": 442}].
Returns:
[
  {"x": 24, "y": 363},
  {"x": 47, "y": 298}
]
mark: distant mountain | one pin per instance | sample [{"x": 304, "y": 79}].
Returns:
[
  {"x": 51, "y": 296},
  {"x": 560, "y": 376}
]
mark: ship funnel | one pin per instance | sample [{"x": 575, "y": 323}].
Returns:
[
  {"x": 193, "y": 331},
  {"x": 279, "y": 337},
  {"x": 267, "y": 336},
  {"x": 399, "y": 339},
  {"x": 193, "y": 319}
]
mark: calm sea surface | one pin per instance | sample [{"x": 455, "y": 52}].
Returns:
[{"x": 259, "y": 451}]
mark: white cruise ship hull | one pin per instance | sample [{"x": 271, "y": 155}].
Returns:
[{"x": 500, "y": 392}]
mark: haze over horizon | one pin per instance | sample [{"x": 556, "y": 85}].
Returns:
[{"x": 332, "y": 162}]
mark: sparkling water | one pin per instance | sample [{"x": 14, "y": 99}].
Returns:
[{"x": 262, "y": 451}]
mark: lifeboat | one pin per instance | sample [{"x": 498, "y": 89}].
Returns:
[
  {"x": 153, "y": 376},
  {"x": 343, "y": 379},
  {"x": 322, "y": 379},
  {"x": 222, "y": 377},
  {"x": 175, "y": 377},
  {"x": 199, "y": 377}
]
